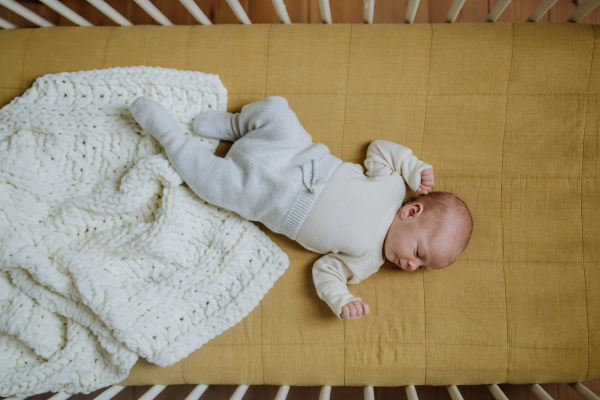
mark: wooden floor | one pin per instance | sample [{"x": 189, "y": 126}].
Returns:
[
  {"x": 303, "y": 11},
  {"x": 307, "y": 11},
  {"x": 513, "y": 392}
]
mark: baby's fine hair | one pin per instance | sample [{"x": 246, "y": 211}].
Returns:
[{"x": 447, "y": 211}]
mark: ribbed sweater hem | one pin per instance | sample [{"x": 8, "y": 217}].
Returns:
[{"x": 306, "y": 199}]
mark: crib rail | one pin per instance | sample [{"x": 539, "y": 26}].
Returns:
[
  {"x": 325, "y": 392},
  {"x": 238, "y": 10}
]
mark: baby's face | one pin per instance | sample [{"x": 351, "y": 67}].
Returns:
[{"x": 409, "y": 246}]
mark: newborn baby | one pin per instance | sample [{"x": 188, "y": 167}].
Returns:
[{"x": 275, "y": 174}]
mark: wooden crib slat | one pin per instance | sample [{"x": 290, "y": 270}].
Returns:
[
  {"x": 25, "y": 12},
  {"x": 325, "y": 390},
  {"x": 541, "y": 10},
  {"x": 239, "y": 12},
  {"x": 325, "y": 11},
  {"x": 197, "y": 392},
  {"x": 583, "y": 11},
  {"x": 239, "y": 392},
  {"x": 110, "y": 12},
  {"x": 454, "y": 10},
  {"x": 411, "y": 392},
  {"x": 497, "y": 10},
  {"x": 539, "y": 392},
  {"x": 411, "y": 11},
  {"x": 67, "y": 12},
  {"x": 196, "y": 12},
  {"x": 454, "y": 392},
  {"x": 281, "y": 11},
  {"x": 497, "y": 392},
  {"x": 282, "y": 392},
  {"x": 584, "y": 392},
  {"x": 368, "y": 11},
  {"x": 154, "y": 12},
  {"x": 110, "y": 392},
  {"x": 7, "y": 25},
  {"x": 60, "y": 396},
  {"x": 369, "y": 393},
  {"x": 153, "y": 392}
]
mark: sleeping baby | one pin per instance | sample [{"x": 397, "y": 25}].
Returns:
[{"x": 275, "y": 174}]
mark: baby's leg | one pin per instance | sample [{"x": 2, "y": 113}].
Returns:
[
  {"x": 216, "y": 125},
  {"x": 256, "y": 115},
  {"x": 212, "y": 178}
]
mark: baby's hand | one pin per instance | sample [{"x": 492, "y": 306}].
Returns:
[
  {"x": 426, "y": 181},
  {"x": 355, "y": 310}
]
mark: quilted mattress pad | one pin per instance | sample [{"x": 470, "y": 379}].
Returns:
[{"x": 508, "y": 115}]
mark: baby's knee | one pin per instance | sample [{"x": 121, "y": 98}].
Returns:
[
  {"x": 275, "y": 101},
  {"x": 214, "y": 124}
]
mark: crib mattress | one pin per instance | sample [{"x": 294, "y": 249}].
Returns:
[{"x": 508, "y": 115}]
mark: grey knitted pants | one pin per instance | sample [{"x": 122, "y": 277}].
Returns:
[{"x": 273, "y": 172}]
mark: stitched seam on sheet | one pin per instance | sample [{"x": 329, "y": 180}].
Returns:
[
  {"x": 427, "y": 90},
  {"x": 421, "y": 155},
  {"x": 587, "y": 319},
  {"x": 499, "y": 346},
  {"x": 514, "y": 177},
  {"x": 23, "y": 66},
  {"x": 154, "y": 27},
  {"x": 267, "y": 66},
  {"x": 106, "y": 47},
  {"x": 262, "y": 354},
  {"x": 508, "y": 347},
  {"x": 341, "y": 155},
  {"x": 423, "y": 95},
  {"x": 522, "y": 262},
  {"x": 346, "y": 93},
  {"x": 187, "y": 51}
]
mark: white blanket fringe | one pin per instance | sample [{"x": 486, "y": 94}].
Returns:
[{"x": 104, "y": 255}]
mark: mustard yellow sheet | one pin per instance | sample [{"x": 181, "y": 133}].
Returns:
[{"x": 508, "y": 115}]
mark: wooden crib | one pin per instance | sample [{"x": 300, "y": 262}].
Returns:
[{"x": 350, "y": 84}]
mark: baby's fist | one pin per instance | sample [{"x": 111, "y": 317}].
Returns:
[
  {"x": 426, "y": 181},
  {"x": 355, "y": 310}
]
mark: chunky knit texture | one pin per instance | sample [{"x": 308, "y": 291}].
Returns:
[{"x": 104, "y": 255}]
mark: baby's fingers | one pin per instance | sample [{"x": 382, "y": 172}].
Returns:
[
  {"x": 352, "y": 310},
  {"x": 427, "y": 173},
  {"x": 345, "y": 313},
  {"x": 366, "y": 309},
  {"x": 355, "y": 310},
  {"x": 423, "y": 190},
  {"x": 359, "y": 310}
]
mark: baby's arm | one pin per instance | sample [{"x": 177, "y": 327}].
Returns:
[
  {"x": 330, "y": 276},
  {"x": 385, "y": 158}
]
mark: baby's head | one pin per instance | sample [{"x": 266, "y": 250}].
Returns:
[{"x": 430, "y": 232}]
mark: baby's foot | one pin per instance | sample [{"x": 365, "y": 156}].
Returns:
[{"x": 153, "y": 117}]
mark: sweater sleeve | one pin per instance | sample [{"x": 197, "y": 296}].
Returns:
[
  {"x": 385, "y": 158},
  {"x": 330, "y": 275}
]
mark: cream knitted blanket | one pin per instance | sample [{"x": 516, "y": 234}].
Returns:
[{"x": 104, "y": 255}]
